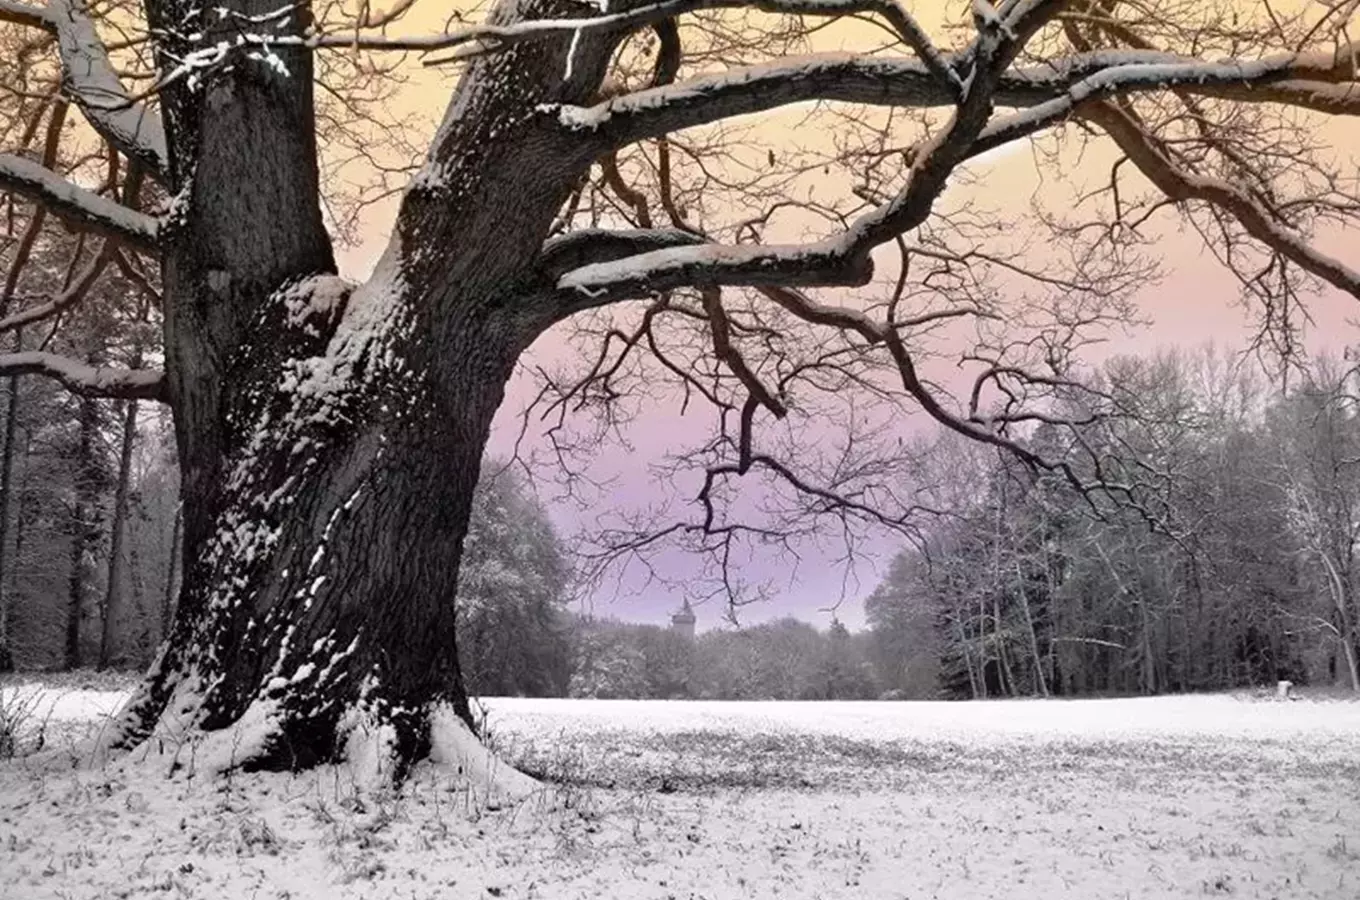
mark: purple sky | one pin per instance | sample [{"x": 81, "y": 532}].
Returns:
[{"x": 1194, "y": 305}]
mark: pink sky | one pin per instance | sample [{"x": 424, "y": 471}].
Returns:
[{"x": 1196, "y": 303}]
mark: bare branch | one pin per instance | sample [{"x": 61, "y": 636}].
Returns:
[
  {"x": 726, "y": 351},
  {"x": 68, "y": 298},
  {"x": 1180, "y": 185}
]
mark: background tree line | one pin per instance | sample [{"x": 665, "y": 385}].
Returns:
[
  {"x": 87, "y": 486},
  {"x": 1229, "y": 559}
]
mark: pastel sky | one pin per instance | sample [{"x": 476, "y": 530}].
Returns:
[{"x": 1195, "y": 303}]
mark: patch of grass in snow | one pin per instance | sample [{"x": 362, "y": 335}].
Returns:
[
  {"x": 74, "y": 680},
  {"x": 35, "y": 714},
  {"x": 705, "y": 761},
  {"x": 25, "y": 721}
]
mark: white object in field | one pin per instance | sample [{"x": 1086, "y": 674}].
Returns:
[{"x": 1282, "y": 690}]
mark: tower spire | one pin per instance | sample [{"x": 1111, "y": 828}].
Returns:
[{"x": 683, "y": 621}]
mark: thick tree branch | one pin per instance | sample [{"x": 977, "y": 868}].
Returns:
[
  {"x": 84, "y": 380},
  {"x": 1323, "y": 79},
  {"x": 589, "y": 246},
  {"x": 827, "y": 263},
  {"x": 90, "y": 81},
  {"x": 77, "y": 205},
  {"x": 842, "y": 260}
]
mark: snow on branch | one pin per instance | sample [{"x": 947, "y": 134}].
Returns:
[
  {"x": 841, "y": 76},
  {"x": 843, "y": 258},
  {"x": 487, "y": 37},
  {"x": 1325, "y": 80},
  {"x": 77, "y": 205},
  {"x": 1233, "y": 80},
  {"x": 84, "y": 380},
  {"x": 588, "y": 246},
  {"x": 822, "y": 264},
  {"x": 89, "y": 79}
]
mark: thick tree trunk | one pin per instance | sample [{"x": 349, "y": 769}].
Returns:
[
  {"x": 330, "y": 436},
  {"x": 1352, "y": 655},
  {"x": 321, "y": 611}
]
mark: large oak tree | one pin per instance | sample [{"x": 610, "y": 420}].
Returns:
[{"x": 330, "y": 433}]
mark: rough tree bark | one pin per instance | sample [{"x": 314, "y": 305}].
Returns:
[{"x": 330, "y": 435}]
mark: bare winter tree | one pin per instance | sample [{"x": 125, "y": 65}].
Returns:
[{"x": 330, "y": 433}]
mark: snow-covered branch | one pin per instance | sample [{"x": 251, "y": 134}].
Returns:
[
  {"x": 485, "y": 37},
  {"x": 843, "y": 259},
  {"x": 1319, "y": 80},
  {"x": 89, "y": 79},
  {"x": 588, "y": 246},
  {"x": 828, "y": 263},
  {"x": 87, "y": 381},
  {"x": 77, "y": 205}
]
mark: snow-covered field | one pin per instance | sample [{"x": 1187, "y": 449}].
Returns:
[{"x": 1156, "y": 798}]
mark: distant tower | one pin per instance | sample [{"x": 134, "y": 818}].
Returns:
[{"x": 683, "y": 621}]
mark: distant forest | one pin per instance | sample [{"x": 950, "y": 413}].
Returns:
[{"x": 1201, "y": 535}]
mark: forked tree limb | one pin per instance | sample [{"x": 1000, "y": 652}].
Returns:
[
  {"x": 727, "y": 351},
  {"x": 842, "y": 260},
  {"x": 1181, "y": 186}
]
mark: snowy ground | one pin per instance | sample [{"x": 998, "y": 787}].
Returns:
[{"x": 1162, "y": 798}]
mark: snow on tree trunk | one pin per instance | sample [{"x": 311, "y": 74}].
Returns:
[
  {"x": 318, "y": 621},
  {"x": 330, "y": 435}
]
